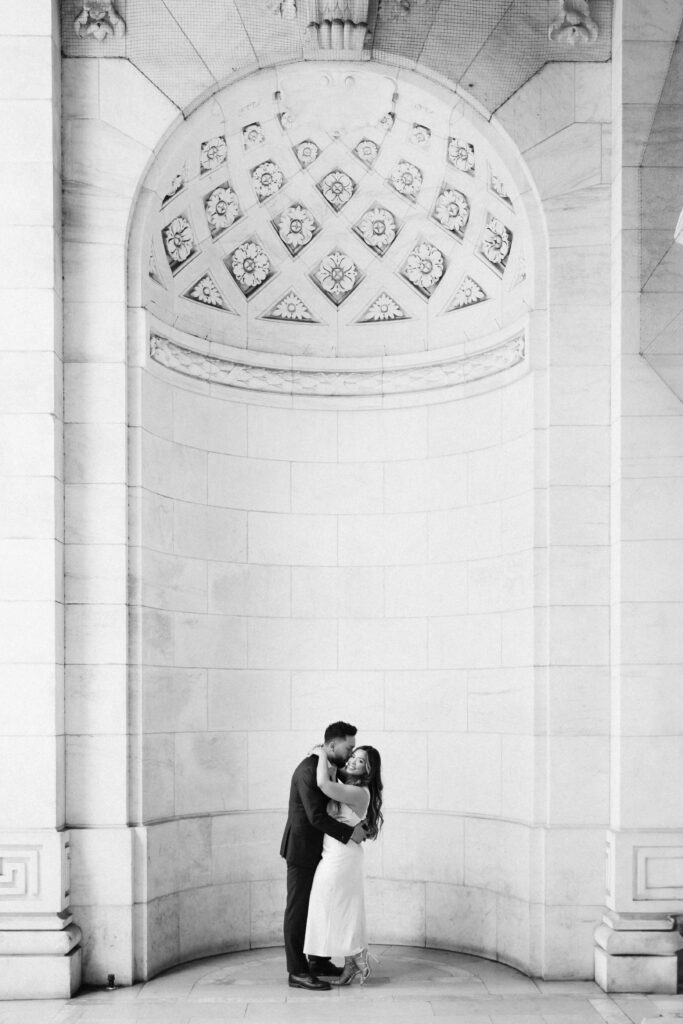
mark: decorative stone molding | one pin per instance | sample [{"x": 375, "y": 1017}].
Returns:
[
  {"x": 637, "y": 953},
  {"x": 379, "y": 380},
  {"x": 19, "y": 872},
  {"x": 390, "y": 181},
  {"x": 573, "y": 23},
  {"x": 337, "y": 24},
  {"x": 99, "y": 19},
  {"x": 285, "y": 8},
  {"x": 35, "y": 920}
]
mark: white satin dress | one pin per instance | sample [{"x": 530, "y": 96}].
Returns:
[{"x": 336, "y": 912}]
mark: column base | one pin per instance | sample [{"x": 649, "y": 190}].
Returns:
[
  {"x": 634, "y": 955},
  {"x": 40, "y": 977}
]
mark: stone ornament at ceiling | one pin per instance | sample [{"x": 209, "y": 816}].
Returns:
[
  {"x": 489, "y": 49},
  {"x": 334, "y": 210}
]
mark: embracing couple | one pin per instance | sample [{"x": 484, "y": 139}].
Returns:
[{"x": 335, "y": 803}]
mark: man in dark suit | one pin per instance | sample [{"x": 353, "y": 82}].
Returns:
[{"x": 302, "y": 843}]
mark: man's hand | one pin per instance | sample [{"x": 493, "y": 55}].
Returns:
[{"x": 358, "y": 835}]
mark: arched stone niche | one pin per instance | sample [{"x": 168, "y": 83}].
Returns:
[{"x": 334, "y": 502}]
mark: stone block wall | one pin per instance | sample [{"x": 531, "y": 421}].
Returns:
[{"x": 299, "y": 565}]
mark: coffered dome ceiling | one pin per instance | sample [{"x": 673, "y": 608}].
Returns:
[{"x": 332, "y": 210}]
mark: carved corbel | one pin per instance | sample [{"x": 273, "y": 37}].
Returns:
[
  {"x": 99, "y": 18},
  {"x": 337, "y": 24},
  {"x": 573, "y": 23}
]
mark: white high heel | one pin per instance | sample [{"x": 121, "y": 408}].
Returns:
[{"x": 363, "y": 960}]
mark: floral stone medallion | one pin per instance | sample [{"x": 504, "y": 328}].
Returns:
[
  {"x": 337, "y": 188},
  {"x": 452, "y": 210},
  {"x": 267, "y": 179},
  {"x": 420, "y": 135},
  {"x": 296, "y": 227},
  {"x": 222, "y": 209},
  {"x": 377, "y": 227},
  {"x": 367, "y": 151},
  {"x": 425, "y": 267},
  {"x": 291, "y": 309},
  {"x": 383, "y": 309},
  {"x": 469, "y": 293},
  {"x": 214, "y": 152},
  {"x": 337, "y": 276},
  {"x": 253, "y": 135},
  {"x": 206, "y": 292},
  {"x": 461, "y": 155},
  {"x": 179, "y": 243},
  {"x": 496, "y": 244},
  {"x": 406, "y": 178},
  {"x": 307, "y": 152},
  {"x": 250, "y": 266}
]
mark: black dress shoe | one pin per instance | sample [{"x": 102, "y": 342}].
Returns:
[
  {"x": 308, "y": 981},
  {"x": 324, "y": 968}
]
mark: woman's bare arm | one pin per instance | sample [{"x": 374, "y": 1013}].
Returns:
[{"x": 357, "y": 797}]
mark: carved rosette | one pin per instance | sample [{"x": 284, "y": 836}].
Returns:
[
  {"x": 337, "y": 275},
  {"x": 367, "y": 151},
  {"x": 267, "y": 179},
  {"x": 420, "y": 135},
  {"x": 253, "y": 135},
  {"x": 406, "y": 178},
  {"x": 425, "y": 267},
  {"x": 461, "y": 155},
  {"x": 296, "y": 227},
  {"x": 452, "y": 211},
  {"x": 179, "y": 242},
  {"x": 250, "y": 266},
  {"x": 307, "y": 152},
  {"x": 213, "y": 153},
  {"x": 222, "y": 209},
  {"x": 496, "y": 244},
  {"x": 337, "y": 187},
  {"x": 377, "y": 227}
]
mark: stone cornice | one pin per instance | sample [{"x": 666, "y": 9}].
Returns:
[{"x": 381, "y": 379}]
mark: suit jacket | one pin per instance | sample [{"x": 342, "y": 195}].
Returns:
[{"x": 307, "y": 818}]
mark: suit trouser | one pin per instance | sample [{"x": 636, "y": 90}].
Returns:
[{"x": 299, "y": 883}]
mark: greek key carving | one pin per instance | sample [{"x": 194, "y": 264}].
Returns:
[{"x": 19, "y": 872}]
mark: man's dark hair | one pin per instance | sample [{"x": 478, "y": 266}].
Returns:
[{"x": 339, "y": 731}]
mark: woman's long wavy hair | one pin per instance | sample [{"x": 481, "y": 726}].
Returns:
[{"x": 374, "y": 819}]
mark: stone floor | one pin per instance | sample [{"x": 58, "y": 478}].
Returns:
[{"x": 408, "y": 986}]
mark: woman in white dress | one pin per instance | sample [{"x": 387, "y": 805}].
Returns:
[{"x": 336, "y": 911}]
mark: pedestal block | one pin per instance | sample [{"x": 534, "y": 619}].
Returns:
[
  {"x": 40, "y": 952},
  {"x": 637, "y": 954}
]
